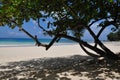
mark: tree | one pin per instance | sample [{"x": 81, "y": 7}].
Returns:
[
  {"x": 114, "y": 36},
  {"x": 70, "y": 16}
]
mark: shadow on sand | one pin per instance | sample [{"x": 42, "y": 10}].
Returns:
[{"x": 67, "y": 68}]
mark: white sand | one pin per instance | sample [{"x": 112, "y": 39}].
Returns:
[{"x": 10, "y": 54}]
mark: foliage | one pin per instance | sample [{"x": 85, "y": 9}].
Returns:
[
  {"x": 68, "y": 14},
  {"x": 114, "y": 36}
]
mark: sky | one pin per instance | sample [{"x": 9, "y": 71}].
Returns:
[{"x": 31, "y": 26}]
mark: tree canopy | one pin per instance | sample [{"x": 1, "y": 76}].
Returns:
[{"x": 70, "y": 16}]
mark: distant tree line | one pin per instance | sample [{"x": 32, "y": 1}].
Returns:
[{"x": 114, "y": 36}]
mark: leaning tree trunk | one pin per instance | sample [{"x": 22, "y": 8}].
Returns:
[
  {"x": 108, "y": 53},
  {"x": 104, "y": 52},
  {"x": 82, "y": 43}
]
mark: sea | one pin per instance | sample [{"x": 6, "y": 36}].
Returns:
[{"x": 5, "y": 42}]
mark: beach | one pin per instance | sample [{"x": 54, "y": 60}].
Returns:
[
  {"x": 19, "y": 53},
  {"x": 60, "y": 62},
  {"x": 10, "y": 54}
]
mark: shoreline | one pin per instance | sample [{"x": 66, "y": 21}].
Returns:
[
  {"x": 55, "y": 44},
  {"x": 32, "y": 44}
]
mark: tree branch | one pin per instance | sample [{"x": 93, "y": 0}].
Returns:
[
  {"x": 89, "y": 53},
  {"x": 48, "y": 32},
  {"x": 99, "y": 33},
  {"x": 94, "y": 22},
  {"x": 99, "y": 51},
  {"x": 52, "y": 42},
  {"x": 73, "y": 11},
  {"x": 34, "y": 38},
  {"x": 108, "y": 52},
  {"x": 41, "y": 26}
]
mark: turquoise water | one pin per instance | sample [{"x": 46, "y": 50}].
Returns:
[{"x": 27, "y": 41}]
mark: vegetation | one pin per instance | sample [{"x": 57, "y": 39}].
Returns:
[
  {"x": 70, "y": 19},
  {"x": 114, "y": 36}
]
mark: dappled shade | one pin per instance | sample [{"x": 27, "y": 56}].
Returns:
[{"x": 66, "y": 68}]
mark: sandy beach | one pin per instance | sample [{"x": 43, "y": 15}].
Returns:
[
  {"x": 60, "y": 62},
  {"x": 10, "y": 54},
  {"x": 18, "y": 53}
]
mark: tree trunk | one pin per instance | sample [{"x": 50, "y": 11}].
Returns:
[
  {"x": 95, "y": 49},
  {"x": 109, "y": 54}
]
